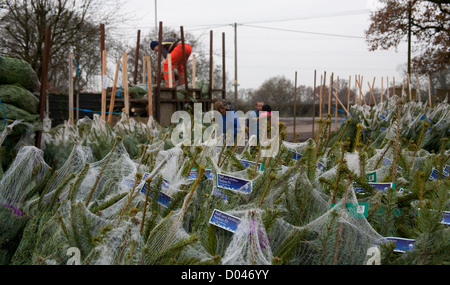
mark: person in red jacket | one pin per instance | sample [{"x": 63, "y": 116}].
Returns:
[{"x": 173, "y": 47}]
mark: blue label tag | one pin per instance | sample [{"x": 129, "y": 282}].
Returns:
[
  {"x": 320, "y": 166},
  {"x": 434, "y": 175},
  {"x": 377, "y": 186},
  {"x": 446, "y": 170},
  {"x": 247, "y": 164},
  {"x": 296, "y": 156},
  {"x": 193, "y": 174},
  {"x": 446, "y": 218},
  {"x": 234, "y": 183},
  {"x": 219, "y": 193},
  {"x": 163, "y": 198},
  {"x": 225, "y": 221},
  {"x": 401, "y": 244}
]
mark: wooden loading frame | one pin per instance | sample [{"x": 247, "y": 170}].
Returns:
[{"x": 197, "y": 92}]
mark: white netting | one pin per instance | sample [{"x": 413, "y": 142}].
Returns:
[{"x": 84, "y": 190}]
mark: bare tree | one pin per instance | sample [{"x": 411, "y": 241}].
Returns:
[{"x": 74, "y": 27}]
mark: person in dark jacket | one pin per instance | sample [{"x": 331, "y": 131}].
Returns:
[{"x": 173, "y": 47}]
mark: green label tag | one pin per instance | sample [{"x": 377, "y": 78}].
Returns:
[
  {"x": 358, "y": 211},
  {"x": 372, "y": 176}
]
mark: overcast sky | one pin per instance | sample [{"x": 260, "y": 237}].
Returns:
[{"x": 280, "y": 37}]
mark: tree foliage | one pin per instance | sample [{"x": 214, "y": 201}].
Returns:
[{"x": 430, "y": 28}]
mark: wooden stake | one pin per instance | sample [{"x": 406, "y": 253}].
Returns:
[
  {"x": 320, "y": 97},
  {"x": 409, "y": 87},
  {"x": 340, "y": 102},
  {"x": 393, "y": 82},
  {"x": 429, "y": 90},
  {"x": 44, "y": 78},
  {"x": 104, "y": 86},
  {"x": 371, "y": 91},
  {"x": 113, "y": 93},
  {"x": 348, "y": 96},
  {"x": 194, "y": 60},
  {"x": 136, "y": 58},
  {"x": 336, "y": 106},
  {"x": 144, "y": 75},
  {"x": 314, "y": 104},
  {"x": 360, "y": 92},
  {"x": 387, "y": 82},
  {"x": 381, "y": 92},
  {"x": 125, "y": 85},
  {"x": 169, "y": 60},
  {"x": 71, "y": 89},
  {"x": 418, "y": 88},
  {"x": 149, "y": 89},
  {"x": 329, "y": 94},
  {"x": 295, "y": 103}
]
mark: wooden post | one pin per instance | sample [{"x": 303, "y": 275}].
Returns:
[
  {"x": 184, "y": 63},
  {"x": 149, "y": 89},
  {"x": 224, "y": 81},
  {"x": 136, "y": 58},
  {"x": 113, "y": 93},
  {"x": 71, "y": 89},
  {"x": 194, "y": 59},
  {"x": 158, "y": 76},
  {"x": 144, "y": 64},
  {"x": 387, "y": 83},
  {"x": 295, "y": 103},
  {"x": 381, "y": 92},
  {"x": 403, "y": 87},
  {"x": 125, "y": 85},
  {"x": 104, "y": 86},
  {"x": 371, "y": 91},
  {"x": 361, "y": 93},
  {"x": 44, "y": 76},
  {"x": 429, "y": 90},
  {"x": 418, "y": 88},
  {"x": 169, "y": 61},
  {"x": 340, "y": 102},
  {"x": 329, "y": 93},
  {"x": 348, "y": 96},
  {"x": 320, "y": 97},
  {"x": 336, "y": 106},
  {"x": 314, "y": 104},
  {"x": 393, "y": 82},
  {"x": 409, "y": 87},
  {"x": 102, "y": 43}
]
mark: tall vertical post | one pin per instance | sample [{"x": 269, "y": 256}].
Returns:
[
  {"x": 314, "y": 104},
  {"x": 158, "y": 76},
  {"x": 125, "y": 85},
  {"x": 149, "y": 88},
  {"x": 104, "y": 86},
  {"x": 295, "y": 105},
  {"x": 44, "y": 77},
  {"x": 136, "y": 58},
  {"x": 186, "y": 85},
  {"x": 102, "y": 43},
  {"x": 211, "y": 65},
  {"x": 71, "y": 89},
  {"x": 235, "y": 63},
  {"x": 224, "y": 82}
]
